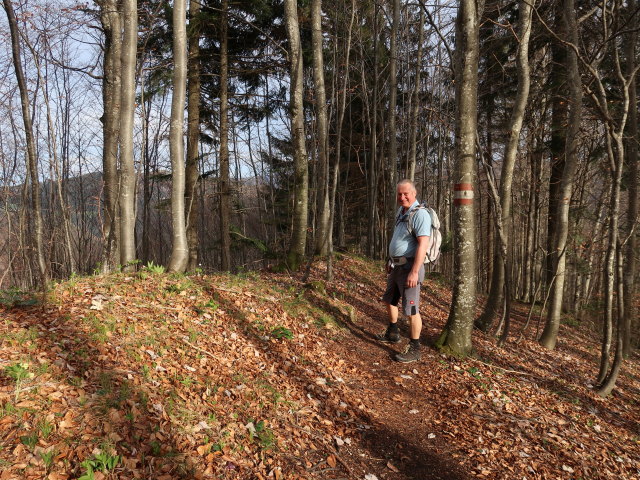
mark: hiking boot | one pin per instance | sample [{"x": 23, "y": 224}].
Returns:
[
  {"x": 411, "y": 354},
  {"x": 389, "y": 336}
]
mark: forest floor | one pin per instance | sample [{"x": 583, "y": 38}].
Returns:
[{"x": 258, "y": 376}]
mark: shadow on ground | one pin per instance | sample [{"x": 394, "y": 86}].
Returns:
[
  {"x": 411, "y": 459},
  {"x": 407, "y": 451},
  {"x": 107, "y": 392}
]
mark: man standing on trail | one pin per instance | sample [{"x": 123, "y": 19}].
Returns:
[{"x": 405, "y": 269}]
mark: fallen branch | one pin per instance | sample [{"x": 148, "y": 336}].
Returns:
[
  {"x": 201, "y": 350},
  {"x": 501, "y": 368}
]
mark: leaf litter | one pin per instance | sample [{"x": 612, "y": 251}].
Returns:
[{"x": 259, "y": 376}]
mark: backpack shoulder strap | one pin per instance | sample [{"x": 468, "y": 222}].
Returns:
[{"x": 412, "y": 213}]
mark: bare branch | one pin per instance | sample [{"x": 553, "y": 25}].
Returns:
[
  {"x": 587, "y": 15},
  {"x": 437, "y": 30}
]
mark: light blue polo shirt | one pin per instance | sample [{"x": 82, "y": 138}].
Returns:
[{"x": 403, "y": 243}]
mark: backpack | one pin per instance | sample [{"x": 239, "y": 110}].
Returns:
[{"x": 435, "y": 239}]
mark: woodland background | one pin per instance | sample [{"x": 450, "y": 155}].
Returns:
[{"x": 239, "y": 135}]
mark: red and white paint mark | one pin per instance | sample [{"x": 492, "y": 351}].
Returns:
[{"x": 463, "y": 194}]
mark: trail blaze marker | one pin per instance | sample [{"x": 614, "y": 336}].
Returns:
[{"x": 463, "y": 194}]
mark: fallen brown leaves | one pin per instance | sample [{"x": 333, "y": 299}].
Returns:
[{"x": 257, "y": 376}]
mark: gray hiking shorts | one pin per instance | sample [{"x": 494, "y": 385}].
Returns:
[{"x": 396, "y": 289}]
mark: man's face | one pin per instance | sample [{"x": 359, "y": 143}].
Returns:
[{"x": 406, "y": 195}]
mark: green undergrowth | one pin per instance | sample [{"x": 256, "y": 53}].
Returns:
[{"x": 17, "y": 297}]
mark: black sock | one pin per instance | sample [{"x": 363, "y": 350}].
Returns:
[
  {"x": 415, "y": 342},
  {"x": 393, "y": 327}
]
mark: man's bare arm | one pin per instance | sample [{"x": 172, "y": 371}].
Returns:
[{"x": 421, "y": 251}]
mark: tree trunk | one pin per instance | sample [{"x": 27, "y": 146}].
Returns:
[
  {"x": 631, "y": 150},
  {"x": 415, "y": 104},
  {"x": 456, "y": 336},
  {"x": 32, "y": 160},
  {"x": 506, "y": 178},
  {"x": 338, "y": 149},
  {"x": 322, "y": 243},
  {"x": 372, "y": 173},
  {"x": 557, "y": 146},
  {"x": 393, "y": 100},
  {"x": 179, "y": 250},
  {"x": 600, "y": 220},
  {"x": 193, "y": 134},
  {"x": 225, "y": 190},
  {"x": 53, "y": 155},
  {"x": 550, "y": 333},
  {"x": 532, "y": 231},
  {"x": 617, "y": 161},
  {"x": 127, "y": 168},
  {"x": 609, "y": 382},
  {"x": 301, "y": 172}
]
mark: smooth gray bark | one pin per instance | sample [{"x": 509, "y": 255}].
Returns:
[
  {"x": 127, "y": 168},
  {"x": 301, "y": 173},
  {"x": 179, "y": 248}
]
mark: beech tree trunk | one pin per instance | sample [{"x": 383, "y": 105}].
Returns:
[
  {"x": 193, "y": 133},
  {"x": 301, "y": 173},
  {"x": 456, "y": 336},
  {"x": 372, "y": 118},
  {"x": 415, "y": 103},
  {"x": 111, "y": 20},
  {"x": 631, "y": 151},
  {"x": 127, "y": 168},
  {"x": 557, "y": 145},
  {"x": 322, "y": 243},
  {"x": 225, "y": 191},
  {"x": 549, "y": 335},
  {"x": 616, "y": 156},
  {"x": 391, "y": 122},
  {"x": 179, "y": 250}
]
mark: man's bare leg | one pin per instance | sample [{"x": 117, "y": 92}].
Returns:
[
  {"x": 393, "y": 313},
  {"x": 415, "y": 325}
]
